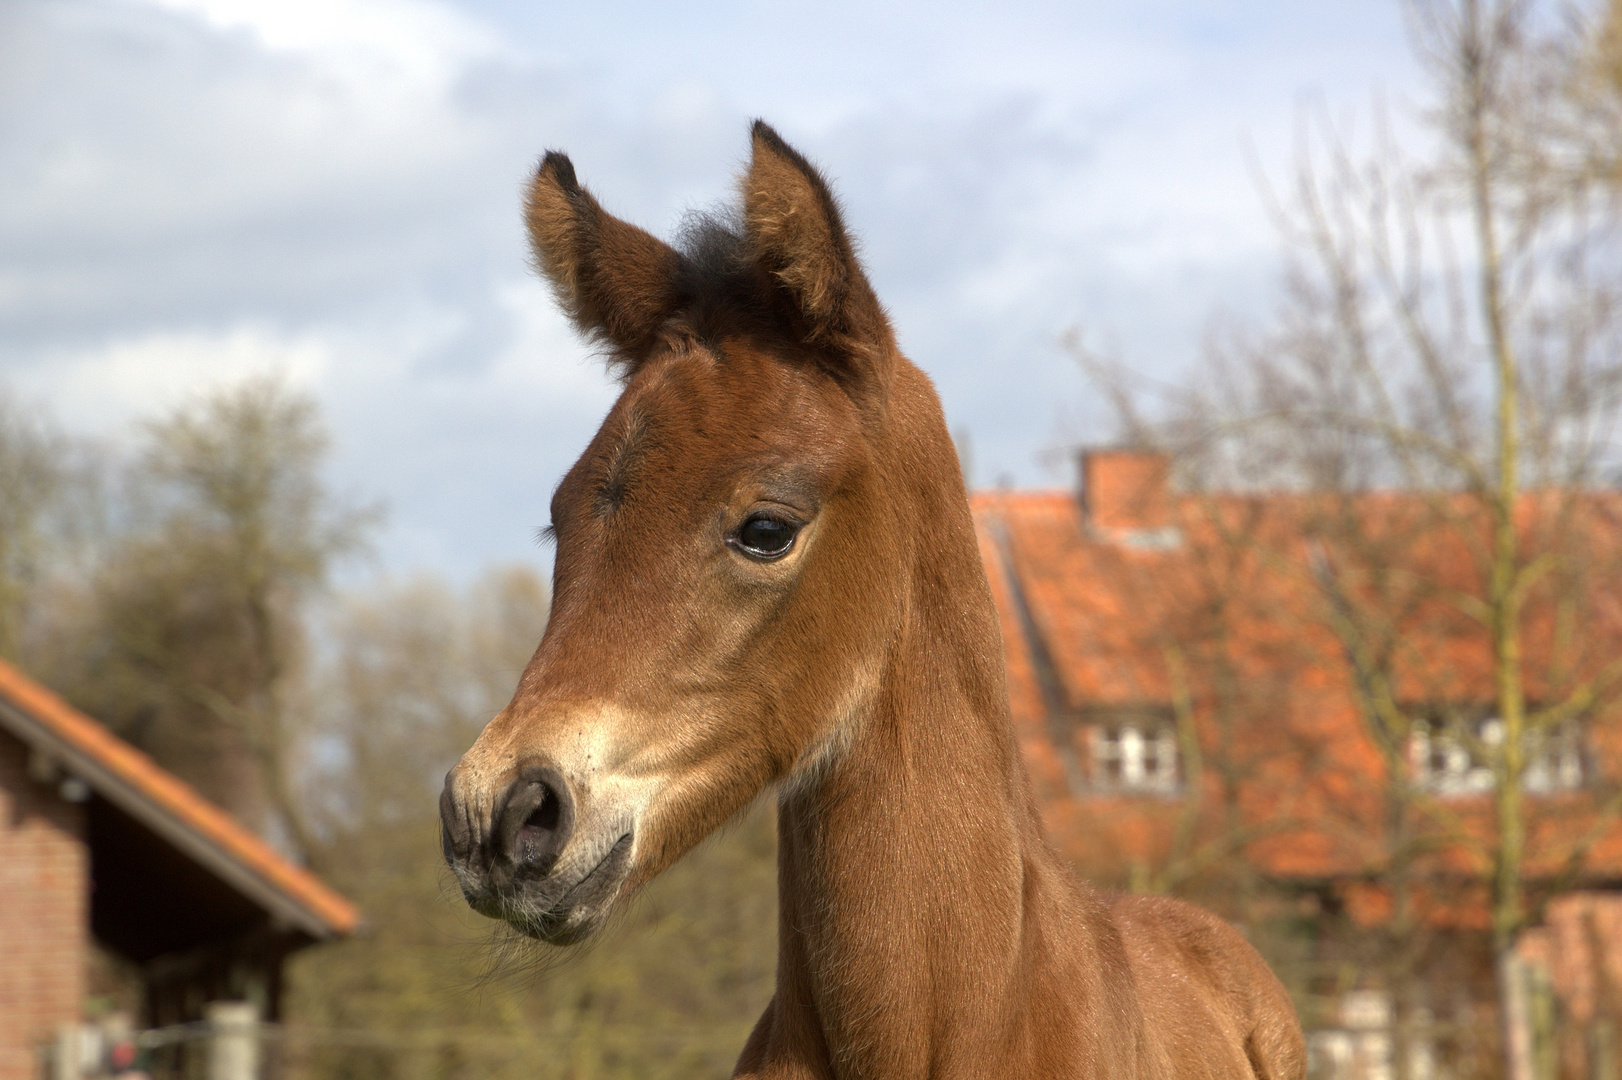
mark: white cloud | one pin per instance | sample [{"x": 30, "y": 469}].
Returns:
[
  {"x": 191, "y": 189},
  {"x": 416, "y": 38},
  {"x": 133, "y": 124},
  {"x": 100, "y": 388}
]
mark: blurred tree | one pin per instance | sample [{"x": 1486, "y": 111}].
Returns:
[
  {"x": 30, "y": 479},
  {"x": 197, "y": 624},
  {"x": 1595, "y": 91},
  {"x": 49, "y": 503}
]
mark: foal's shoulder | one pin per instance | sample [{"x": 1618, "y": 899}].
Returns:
[
  {"x": 1184, "y": 954},
  {"x": 1165, "y": 911},
  {"x": 1212, "y": 945}
]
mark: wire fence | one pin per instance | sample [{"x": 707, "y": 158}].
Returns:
[
  {"x": 236, "y": 1047},
  {"x": 590, "y": 1051},
  {"x": 1357, "y": 1035}
]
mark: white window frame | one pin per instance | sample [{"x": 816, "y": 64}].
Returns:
[
  {"x": 1451, "y": 767},
  {"x": 1134, "y": 756}
]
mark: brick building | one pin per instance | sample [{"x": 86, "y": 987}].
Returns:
[
  {"x": 1196, "y": 714},
  {"x": 103, "y": 851}
]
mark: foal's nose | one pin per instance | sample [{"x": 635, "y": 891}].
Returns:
[{"x": 530, "y": 827}]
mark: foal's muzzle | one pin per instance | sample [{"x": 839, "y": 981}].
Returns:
[{"x": 514, "y": 860}]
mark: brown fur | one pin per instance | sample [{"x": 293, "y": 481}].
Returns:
[{"x": 927, "y": 928}]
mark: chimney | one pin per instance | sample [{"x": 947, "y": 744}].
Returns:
[{"x": 1126, "y": 497}]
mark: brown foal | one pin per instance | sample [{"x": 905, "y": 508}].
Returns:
[{"x": 767, "y": 581}]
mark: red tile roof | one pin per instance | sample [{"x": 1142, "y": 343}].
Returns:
[
  {"x": 120, "y": 772},
  {"x": 1229, "y": 590}
]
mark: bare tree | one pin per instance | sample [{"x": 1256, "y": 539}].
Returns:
[
  {"x": 48, "y": 521},
  {"x": 1450, "y": 329}
]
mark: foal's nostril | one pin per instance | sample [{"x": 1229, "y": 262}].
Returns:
[
  {"x": 537, "y": 820},
  {"x": 536, "y": 833}
]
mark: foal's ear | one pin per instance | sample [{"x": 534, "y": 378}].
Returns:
[
  {"x": 617, "y": 282},
  {"x": 795, "y": 230}
]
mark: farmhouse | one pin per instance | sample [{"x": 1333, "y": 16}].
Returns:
[
  {"x": 104, "y": 854},
  {"x": 1278, "y": 702}
]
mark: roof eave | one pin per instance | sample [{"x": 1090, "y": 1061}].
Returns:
[{"x": 120, "y": 792}]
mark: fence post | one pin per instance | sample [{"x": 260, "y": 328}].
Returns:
[
  {"x": 233, "y": 1045},
  {"x": 66, "y": 1063},
  {"x": 1604, "y": 1055},
  {"x": 1520, "y": 1061}
]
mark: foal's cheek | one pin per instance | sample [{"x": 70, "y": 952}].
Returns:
[{"x": 729, "y": 612}]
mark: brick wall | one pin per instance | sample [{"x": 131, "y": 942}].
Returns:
[{"x": 44, "y": 914}]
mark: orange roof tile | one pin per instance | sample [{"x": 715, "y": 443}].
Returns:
[
  {"x": 109, "y": 761},
  {"x": 1092, "y": 618}
]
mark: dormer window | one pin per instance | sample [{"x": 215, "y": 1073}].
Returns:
[
  {"x": 1134, "y": 755},
  {"x": 1455, "y": 758}
]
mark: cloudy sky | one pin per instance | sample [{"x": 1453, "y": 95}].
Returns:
[{"x": 194, "y": 191}]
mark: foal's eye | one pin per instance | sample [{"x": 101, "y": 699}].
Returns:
[{"x": 765, "y": 537}]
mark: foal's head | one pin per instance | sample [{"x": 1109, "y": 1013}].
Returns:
[{"x": 731, "y": 547}]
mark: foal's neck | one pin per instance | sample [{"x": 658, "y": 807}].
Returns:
[{"x": 908, "y": 870}]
